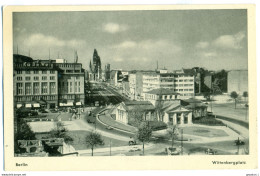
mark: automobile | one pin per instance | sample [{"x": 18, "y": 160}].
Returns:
[
  {"x": 210, "y": 151},
  {"x": 134, "y": 149},
  {"x": 132, "y": 142},
  {"x": 239, "y": 142},
  {"x": 109, "y": 128},
  {"x": 173, "y": 151}
]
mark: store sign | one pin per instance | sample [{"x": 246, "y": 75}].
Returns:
[{"x": 37, "y": 64}]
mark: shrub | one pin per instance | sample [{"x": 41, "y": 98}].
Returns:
[
  {"x": 208, "y": 121},
  {"x": 157, "y": 125}
]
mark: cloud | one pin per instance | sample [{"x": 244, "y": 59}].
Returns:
[
  {"x": 39, "y": 39},
  {"x": 126, "y": 44},
  {"x": 209, "y": 54},
  {"x": 230, "y": 41},
  {"x": 114, "y": 27},
  {"x": 202, "y": 45}
]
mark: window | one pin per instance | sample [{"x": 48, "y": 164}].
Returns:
[
  {"x": 76, "y": 86},
  {"x": 52, "y": 77},
  {"x": 36, "y": 72},
  {"x": 44, "y": 88},
  {"x": 19, "y": 71},
  {"x": 52, "y": 72},
  {"x": 180, "y": 80},
  {"x": 36, "y": 88},
  {"x": 19, "y": 87},
  {"x": 28, "y": 89},
  {"x": 36, "y": 78},
  {"x": 27, "y": 78},
  {"x": 19, "y": 78},
  {"x": 70, "y": 86},
  {"x": 44, "y": 72},
  {"x": 19, "y": 99},
  {"x": 190, "y": 89},
  {"x": 52, "y": 88},
  {"x": 27, "y": 72},
  {"x": 44, "y": 78}
]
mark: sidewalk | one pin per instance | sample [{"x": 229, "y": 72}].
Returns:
[{"x": 122, "y": 149}]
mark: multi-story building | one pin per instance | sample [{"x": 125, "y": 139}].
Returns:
[
  {"x": 47, "y": 83},
  {"x": 135, "y": 79},
  {"x": 35, "y": 83},
  {"x": 237, "y": 80},
  {"x": 151, "y": 80},
  {"x": 71, "y": 84}
]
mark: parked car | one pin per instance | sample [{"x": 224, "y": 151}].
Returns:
[
  {"x": 132, "y": 142},
  {"x": 173, "y": 151},
  {"x": 109, "y": 128},
  {"x": 134, "y": 149},
  {"x": 239, "y": 142},
  {"x": 210, "y": 151}
]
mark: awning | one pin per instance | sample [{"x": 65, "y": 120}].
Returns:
[
  {"x": 36, "y": 105},
  {"x": 69, "y": 104},
  {"x": 28, "y": 105},
  {"x": 78, "y": 103},
  {"x": 61, "y": 104},
  {"x": 19, "y": 105}
]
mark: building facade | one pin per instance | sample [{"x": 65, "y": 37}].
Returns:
[
  {"x": 71, "y": 84},
  {"x": 161, "y": 94},
  {"x": 47, "y": 83},
  {"x": 35, "y": 84},
  {"x": 237, "y": 80}
]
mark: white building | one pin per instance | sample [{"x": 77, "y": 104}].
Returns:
[
  {"x": 126, "y": 112},
  {"x": 161, "y": 94},
  {"x": 177, "y": 115}
]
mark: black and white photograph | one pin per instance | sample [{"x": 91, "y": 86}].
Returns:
[{"x": 149, "y": 83}]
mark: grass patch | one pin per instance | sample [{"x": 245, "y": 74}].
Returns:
[{"x": 204, "y": 132}]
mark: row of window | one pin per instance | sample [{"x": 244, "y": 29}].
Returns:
[
  {"x": 183, "y": 85},
  {"x": 181, "y": 90},
  {"x": 35, "y": 72},
  {"x": 184, "y": 80},
  {"x": 35, "y": 78},
  {"x": 35, "y": 89},
  {"x": 35, "y": 98}
]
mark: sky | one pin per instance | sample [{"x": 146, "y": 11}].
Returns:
[{"x": 214, "y": 39}]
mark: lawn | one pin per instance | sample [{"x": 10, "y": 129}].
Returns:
[
  {"x": 80, "y": 144},
  {"x": 111, "y": 122},
  {"x": 204, "y": 132},
  {"x": 79, "y": 140}
]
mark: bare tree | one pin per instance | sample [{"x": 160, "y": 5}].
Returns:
[{"x": 94, "y": 139}]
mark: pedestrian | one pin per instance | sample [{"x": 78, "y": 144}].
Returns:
[{"x": 74, "y": 116}]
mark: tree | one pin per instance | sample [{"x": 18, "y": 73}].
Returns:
[
  {"x": 234, "y": 95},
  {"x": 173, "y": 133},
  {"x": 24, "y": 131},
  {"x": 245, "y": 95},
  {"x": 61, "y": 132},
  {"x": 94, "y": 139},
  {"x": 144, "y": 133}
]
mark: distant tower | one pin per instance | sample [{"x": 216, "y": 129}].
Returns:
[{"x": 95, "y": 67}]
